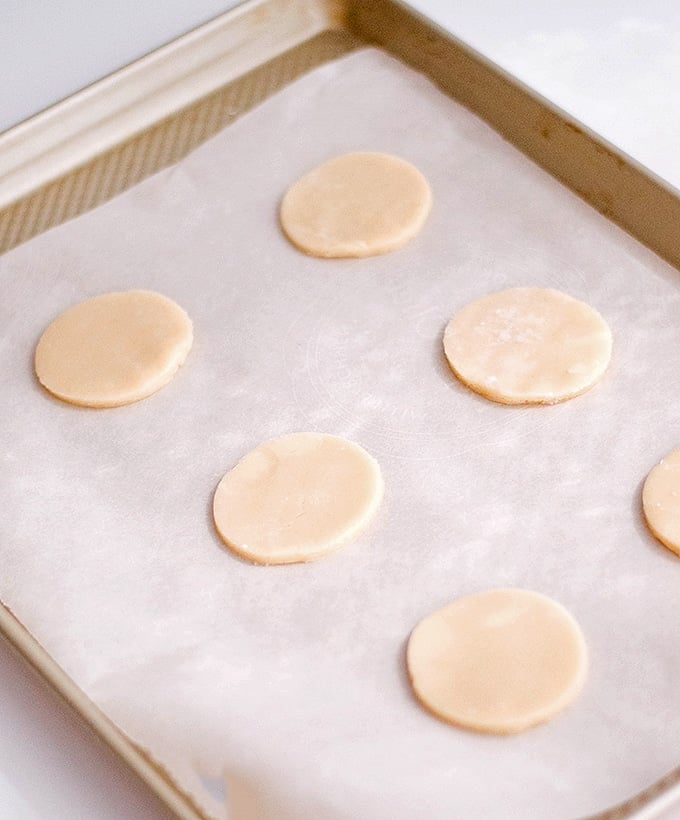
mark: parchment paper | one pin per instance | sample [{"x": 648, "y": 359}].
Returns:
[{"x": 288, "y": 683}]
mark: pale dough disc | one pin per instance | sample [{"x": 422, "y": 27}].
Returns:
[
  {"x": 499, "y": 661},
  {"x": 358, "y": 204},
  {"x": 528, "y": 346},
  {"x": 113, "y": 349},
  {"x": 296, "y": 498},
  {"x": 661, "y": 501}
]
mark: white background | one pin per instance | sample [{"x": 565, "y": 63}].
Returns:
[{"x": 614, "y": 64}]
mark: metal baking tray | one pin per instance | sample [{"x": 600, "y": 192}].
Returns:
[{"x": 109, "y": 136}]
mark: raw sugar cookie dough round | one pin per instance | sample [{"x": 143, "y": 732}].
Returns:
[
  {"x": 296, "y": 498},
  {"x": 113, "y": 349},
  {"x": 359, "y": 204},
  {"x": 528, "y": 346},
  {"x": 499, "y": 661},
  {"x": 661, "y": 501}
]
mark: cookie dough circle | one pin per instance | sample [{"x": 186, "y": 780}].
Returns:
[
  {"x": 499, "y": 661},
  {"x": 113, "y": 349},
  {"x": 359, "y": 204},
  {"x": 661, "y": 501},
  {"x": 297, "y": 498},
  {"x": 528, "y": 346}
]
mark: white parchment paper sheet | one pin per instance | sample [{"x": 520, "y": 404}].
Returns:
[{"x": 289, "y": 682}]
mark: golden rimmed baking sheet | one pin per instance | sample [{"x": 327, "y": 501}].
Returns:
[{"x": 615, "y": 185}]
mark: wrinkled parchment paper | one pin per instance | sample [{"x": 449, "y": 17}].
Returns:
[{"x": 288, "y": 683}]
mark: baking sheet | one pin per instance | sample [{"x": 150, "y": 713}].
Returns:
[{"x": 288, "y": 683}]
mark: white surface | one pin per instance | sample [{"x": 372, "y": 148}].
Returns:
[{"x": 613, "y": 64}]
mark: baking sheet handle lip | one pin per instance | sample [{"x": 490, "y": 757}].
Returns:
[
  {"x": 135, "y": 97},
  {"x": 30, "y": 650},
  {"x": 111, "y": 76},
  {"x": 335, "y": 10}
]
